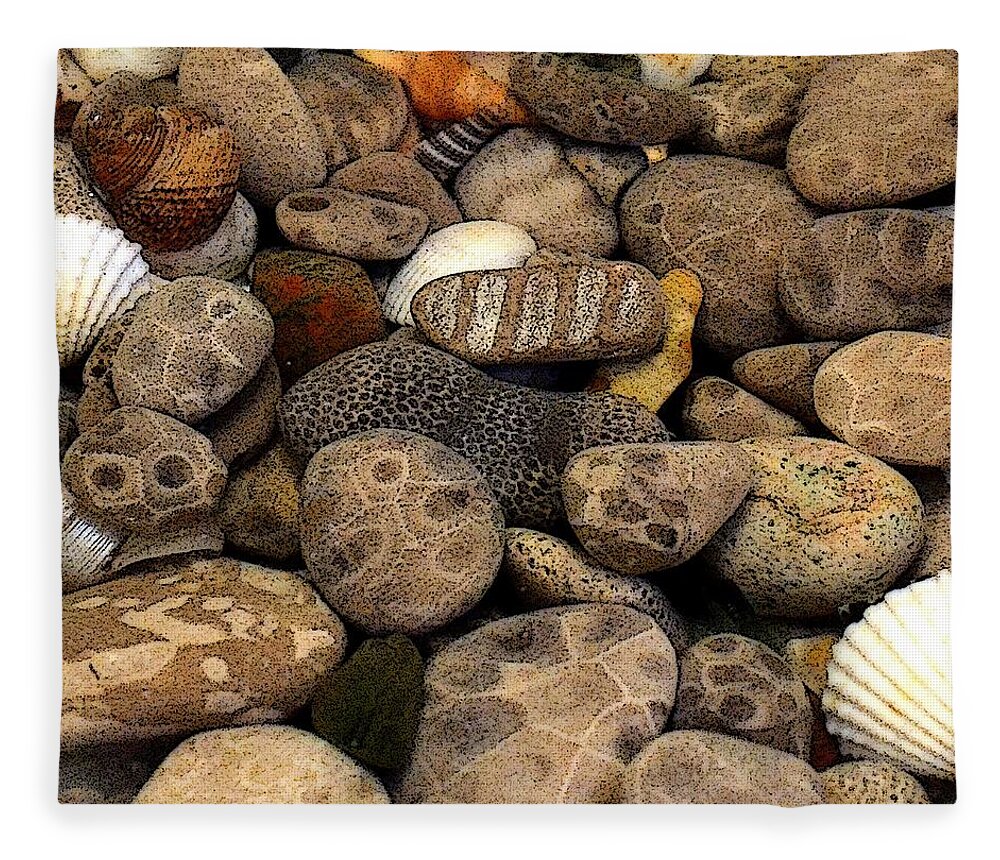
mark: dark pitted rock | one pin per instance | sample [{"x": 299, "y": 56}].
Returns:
[
  {"x": 546, "y": 571},
  {"x": 876, "y": 130},
  {"x": 692, "y": 766},
  {"x": 863, "y": 272},
  {"x": 644, "y": 508},
  {"x": 889, "y": 395},
  {"x": 727, "y": 221},
  {"x": 370, "y": 706},
  {"x": 189, "y": 647},
  {"x": 544, "y": 313},
  {"x": 108, "y": 773},
  {"x": 321, "y": 306},
  {"x": 399, "y": 179},
  {"x": 523, "y": 177},
  {"x": 400, "y": 534},
  {"x": 823, "y": 526},
  {"x": 736, "y": 686},
  {"x": 519, "y": 439},
  {"x": 599, "y": 106},
  {"x": 716, "y": 409},
  {"x": 607, "y": 169},
  {"x": 352, "y": 225},
  {"x": 546, "y": 707},
  {"x": 246, "y": 424},
  {"x": 192, "y": 345},
  {"x": 784, "y": 375},
  {"x": 260, "y": 511},
  {"x": 871, "y": 782}
]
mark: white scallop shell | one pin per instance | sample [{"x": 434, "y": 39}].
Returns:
[
  {"x": 888, "y": 693},
  {"x": 101, "y": 63},
  {"x": 672, "y": 71},
  {"x": 98, "y": 274},
  {"x": 471, "y": 246},
  {"x": 87, "y": 549}
]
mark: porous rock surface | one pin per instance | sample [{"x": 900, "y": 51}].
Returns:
[
  {"x": 871, "y": 782},
  {"x": 716, "y": 409}
]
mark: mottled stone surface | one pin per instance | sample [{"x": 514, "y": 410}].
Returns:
[
  {"x": 822, "y": 526},
  {"x": 607, "y": 169},
  {"x": 935, "y": 554},
  {"x": 871, "y": 782},
  {"x": 643, "y": 508},
  {"x": 692, "y": 766},
  {"x": 889, "y": 395},
  {"x": 108, "y": 773},
  {"x": 876, "y": 130},
  {"x": 727, "y": 221},
  {"x": 544, "y": 707},
  {"x": 738, "y": 687},
  {"x": 546, "y": 571},
  {"x": 808, "y": 657},
  {"x": 734, "y": 67},
  {"x": 716, "y": 409},
  {"x": 245, "y": 424},
  {"x": 519, "y": 439},
  {"x": 189, "y": 647},
  {"x": 260, "y": 764},
  {"x": 71, "y": 189},
  {"x": 399, "y": 533}
]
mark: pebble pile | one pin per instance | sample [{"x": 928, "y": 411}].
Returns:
[{"x": 504, "y": 427}]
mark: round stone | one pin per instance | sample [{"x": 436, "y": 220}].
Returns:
[{"x": 871, "y": 782}]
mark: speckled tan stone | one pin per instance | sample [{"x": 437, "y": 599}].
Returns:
[
  {"x": 71, "y": 189},
  {"x": 716, "y": 409},
  {"x": 808, "y": 658},
  {"x": 546, "y": 707},
  {"x": 733, "y": 67},
  {"x": 260, "y": 764},
  {"x": 935, "y": 554},
  {"x": 889, "y": 395},
  {"x": 245, "y": 425},
  {"x": 871, "y": 782},
  {"x": 191, "y": 646}
]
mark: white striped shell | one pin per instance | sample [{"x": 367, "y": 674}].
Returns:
[
  {"x": 150, "y": 63},
  {"x": 98, "y": 274},
  {"x": 471, "y": 246},
  {"x": 672, "y": 71},
  {"x": 87, "y": 549},
  {"x": 888, "y": 693}
]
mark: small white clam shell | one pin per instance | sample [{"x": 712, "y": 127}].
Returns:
[
  {"x": 150, "y": 63},
  {"x": 87, "y": 549},
  {"x": 672, "y": 71},
  {"x": 888, "y": 693},
  {"x": 99, "y": 273},
  {"x": 466, "y": 247}
]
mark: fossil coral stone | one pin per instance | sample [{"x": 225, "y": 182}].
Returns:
[
  {"x": 544, "y": 707},
  {"x": 370, "y": 706},
  {"x": 736, "y": 686},
  {"x": 727, "y": 221},
  {"x": 871, "y": 782},
  {"x": 643, "y": 508},
  {"x": 889, "y": 395},
  {"x": 518, "y": 438},
  {"x": 546, "y": 571},
  {"x": 192, "y": 646},
  {"x": 260, "y": 764},
  {"x": 246, "y": 423},
  {"x": 138, "y": 469},
  {"x": 192, "y": 346},
  {"x": 888, "y": 693},
  {"x": 652, "y": 379},
  {"x": 784, "y": 375},
  {"x": 693, "y": 766},
  {"x": 854, "y": 148},
  {"x": 523, "y": 177},
  {"x": 822, "y": 526},
  {"x": 714, "y": 408},
  {"x": 561, "y": 312},
  {"x": 862, "y": 272},
  {"x": 594, "y": 105},
  {"x": 280, "y": 148},
  {"x": 399, "y": 533},
  {"x": 102, "y": 63},
  {"x": 321, "y": 306}
]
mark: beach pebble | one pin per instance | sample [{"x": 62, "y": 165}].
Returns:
[
  {"x": 399, "y": 533},
  {"x": 736, "y": 686},
  {"x": 546, "y": 571},
  {"x": 522, "y": 177},
  {"x": 191, "y": 646},
  {"x": 823, "y": 526},
  {"x": 101, "y": 63},
  {"x": 863, "y": 272},
  {"x": 192, "y": 345},
  {"x": 643, "y": 508},
  {"x": 737, "y": 67},
  {"x": 871, "y": 782},
  {"x": 607, "y": 169},
  {"x": 73, "y": 87},
  {"x": 546, "y": 707},
  {"x": 716, "y": 409},
  {"x": 245, "y": 425},
  {"x": 808, "y": 657},
  {"x": 726, "y": 220},
  {"x": 877, "y": 129},
  {"x": 935, "y": 554},
  {"x": 108, "y": 773},
  {"x": 260, "y": 764},
  {"x": 692, "y": 766},
  {"x": 889, "y": 395},
  {"x": 72, "y": 190}
]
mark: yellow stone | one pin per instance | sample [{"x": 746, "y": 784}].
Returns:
[
  {"x": 652, "y": 379},
  {"x": 808, "y": 658}
]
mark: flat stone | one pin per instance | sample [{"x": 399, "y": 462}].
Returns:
[{"x": 716, "y": 409}]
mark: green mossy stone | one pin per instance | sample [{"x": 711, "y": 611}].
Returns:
[{"x": 370, "y": 706}]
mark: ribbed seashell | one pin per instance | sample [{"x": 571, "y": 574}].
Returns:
[
  {"x": 467, "y": 247},
  {"x": 168, "y": 173},
  {"x": 448, "y": 151},
  {"x": 99, "y": 273},
  {"x": 672, "y": 71},
  {"x": 101, "y": 63},
  {"x": 87, "y": 549},
  {"x": 888, "y": 693}
]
